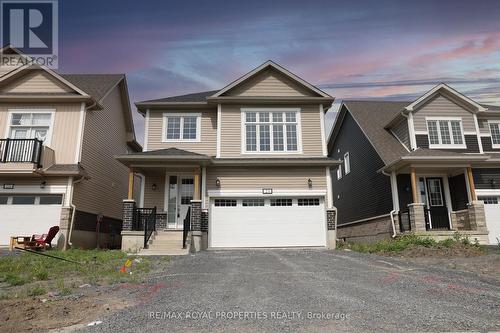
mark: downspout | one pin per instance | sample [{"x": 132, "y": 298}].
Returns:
[
  {"x": 393, "y": 211},
  {"x": 73, "y": 208}
]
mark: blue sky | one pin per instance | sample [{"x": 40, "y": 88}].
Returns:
[{"x": 351, "y": 49}]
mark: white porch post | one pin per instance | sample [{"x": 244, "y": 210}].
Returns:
[
  {"x": 447, "y": 197},
  {"x": 394, "y": 190}
]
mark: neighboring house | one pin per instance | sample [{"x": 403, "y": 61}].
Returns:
[
  {"x": 252, "y": 156},
  {"x": 424, "y": 166},
  {"x": 59, "y": 133}
]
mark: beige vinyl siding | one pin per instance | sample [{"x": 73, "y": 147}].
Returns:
[
  {"x": 104, "y": 136},
  {"x": 36, "y": 82},
  {"x": 441, "y": 106},
  {"x": 207, "y": 144},
  {"x": 64, "y": 132},
  {"x": 157, "y": 197},
  {"x": 33, "y": 181},
  {"x": 231, "y": 136},
  {"x": 269, "y": 83},
  {"x": 401, "y": 132},
  {"x": 256, "y": 178},
  {"x": 12, "y": 64}
]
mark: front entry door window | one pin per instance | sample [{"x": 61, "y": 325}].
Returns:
[
  {"x": 180, "y": 194},
  {"x": 436, "y": 204}
]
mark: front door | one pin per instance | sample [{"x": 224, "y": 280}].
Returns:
[
  {"x": 180, "y": 193},
  {"x": 436, "y": 204}
]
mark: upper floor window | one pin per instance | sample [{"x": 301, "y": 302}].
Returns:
[
  {"x": 271, "y": 131},
  {"x": 181, "y": 127},
  {"x": 445, "y": 133},
  {"x": 30, "y": 125},
  {"x": 495, "y": 133},
  {"x": 347, "y": 163}
]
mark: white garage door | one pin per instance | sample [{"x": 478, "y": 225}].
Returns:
[
  {"x": 25, "y": 215},
  {"x": 492, "y": 212},
  {"x": 270, "y": 222}
]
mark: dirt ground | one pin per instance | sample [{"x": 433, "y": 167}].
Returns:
[
  {"x": 485, "y": 262},
  {"x": 52, "y": 313}
]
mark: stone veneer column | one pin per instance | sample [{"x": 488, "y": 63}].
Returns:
[
  {"x": 196, "y": 234},
  {"x": 331, "y": 232},
  {"x": 128, "y": 214},
  {"x": 477, "y": 217},
  {"x": 417, "y": 217}
]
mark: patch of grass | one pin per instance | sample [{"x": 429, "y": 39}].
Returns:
[
  {"x": 93, "y": 267},
  {"x": 36, "y": 291},
  {"x": 14, "y": 279},
  {"x": 404, "y": 242}
]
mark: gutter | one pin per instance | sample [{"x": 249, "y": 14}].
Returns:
[
  {"x": 393, "y": 211},
  {"x": 73, "y": 207}
]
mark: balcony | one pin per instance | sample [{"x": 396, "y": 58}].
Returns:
[{"x": 21, "y": 151}]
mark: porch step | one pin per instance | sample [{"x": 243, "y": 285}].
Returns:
[{"x": 165, "y": 243}]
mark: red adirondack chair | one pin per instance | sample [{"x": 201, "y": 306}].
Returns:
[{"x": 44, "y": 241}]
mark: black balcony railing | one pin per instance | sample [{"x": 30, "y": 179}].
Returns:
[{"x": 21, "y": 151}]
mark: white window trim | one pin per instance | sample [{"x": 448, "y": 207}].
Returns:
[
  {"x": 347, "y": 163},
  {"x": 52, "y": 112},
  {"x": 446, "y": 146},
  {"x": 493, "y": 145},
  {"x": 181, "y": 115},
  {"x": 271, "y": 151}
]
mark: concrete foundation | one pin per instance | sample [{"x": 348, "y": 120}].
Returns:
[
  {"x": 367, "y": 231},
  {"x": 132, "y": 241}
]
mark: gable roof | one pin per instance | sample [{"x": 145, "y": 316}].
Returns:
[
  {"x": 443, "y": 88},
  {"x": 194, "y": 97},
  {"x": 270, "y": 64},
  {"x": 172, "y": 152}
]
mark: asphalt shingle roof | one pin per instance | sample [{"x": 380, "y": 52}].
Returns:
[
  {"x": 169, "y": 152},
  {"x": 96, "y": 85},
  {"x": 195, "y": 97}
]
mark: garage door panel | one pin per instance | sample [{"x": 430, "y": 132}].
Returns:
[
  {"x": 492, "y": 212},
  {"x": 267, "y": 226},
  {"x": 26, "y": 220}
]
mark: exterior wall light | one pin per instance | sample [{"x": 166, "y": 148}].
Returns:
[
  {"x": 153, "y": 187},
  {"x": 217, "y": 182},
  {"x": 43, "y": 184},
  {"x": 310, "y": 183}
]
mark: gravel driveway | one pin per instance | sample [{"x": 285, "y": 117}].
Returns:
[{"x": 308, "y": 291}]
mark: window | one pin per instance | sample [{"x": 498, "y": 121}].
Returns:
[
  {"x": 252, "y": 202},
  {"x": 30, "y": 125},
  {"x": 489, "y": 200},
  {"x": 50, "y": 200},
  {"x": 308, "y": 202},
  {"x": 445, "y": 133},
  {"x": 181, "y": 127},
  {"x": 271, "y": 131},
  {"x": 347, "y": 163},
  {"x": 187, "y": 191},
  {"x": 23, "y": 200},
  {"x": 225, "y": 203},
  {"x": 339, "y": 172},
  {"x": 495, "y": 133},
  {"x": 281, "y": 202}
]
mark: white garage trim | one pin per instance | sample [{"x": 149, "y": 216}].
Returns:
[
  {"x": 29, "y": 189},
  {"x": 258, "y": 193}
]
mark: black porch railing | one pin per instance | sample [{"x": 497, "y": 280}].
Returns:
[
  {"x": 21, "y": 151},
  {"x": 186, "y": 227},
  {"x": 149, "y": 227},
  {"x": 404, "y": 221}
]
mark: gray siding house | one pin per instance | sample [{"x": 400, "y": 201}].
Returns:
[{"x": 428, "y": 166}]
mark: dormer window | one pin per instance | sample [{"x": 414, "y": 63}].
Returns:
[{"x": 445, "y": 133}]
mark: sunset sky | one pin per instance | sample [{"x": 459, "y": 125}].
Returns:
[{"x": 350, "y": 49}]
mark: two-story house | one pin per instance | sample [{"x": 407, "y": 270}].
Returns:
[
  {"x": 58, "y": 135},
  {"x": 247, "y": 164},
  {"x": 428, "y": 166}
]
